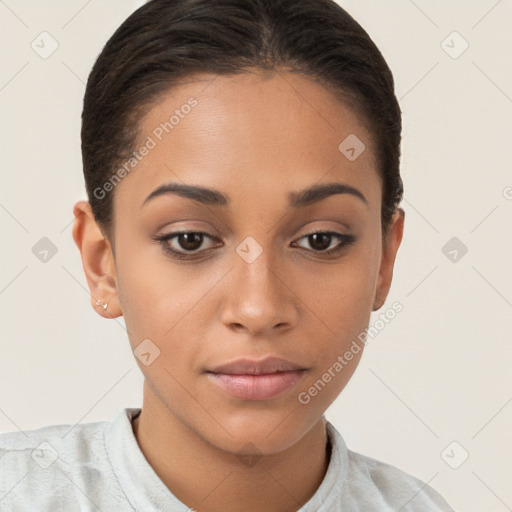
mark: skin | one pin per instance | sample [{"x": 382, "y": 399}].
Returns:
[{"x": 255, "y": 137}]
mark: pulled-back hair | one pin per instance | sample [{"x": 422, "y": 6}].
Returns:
[{"x": 165, "y": 41}]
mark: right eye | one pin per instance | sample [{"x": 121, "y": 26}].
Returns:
[{"x": 186, "y": 244}]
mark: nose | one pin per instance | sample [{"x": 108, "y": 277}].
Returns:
[{"x": 258, "y": 297}]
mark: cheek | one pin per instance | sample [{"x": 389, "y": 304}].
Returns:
[
  {"x": 145, "y": 286},
  {"x": 341, "y": 314},
  {"x": 342, "y": 305},
  {"x": 347, "y": 292},
  {"x": 163, "y": 302},
  {"x": 346, "y": 316}
]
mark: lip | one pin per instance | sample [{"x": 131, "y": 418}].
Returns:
[
  {"x": 256, "y": 380},
  {"x": 257, "y": 387},
  {"x": 251, "y": 367}
]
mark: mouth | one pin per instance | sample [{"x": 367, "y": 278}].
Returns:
[
  {"x": 257, "y": 387},
  {"x": 247, "y": 379},
  {"x": 251, "y": 367}
]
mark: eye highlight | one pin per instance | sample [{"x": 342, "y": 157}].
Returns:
[{"x": 191, "y": 241}]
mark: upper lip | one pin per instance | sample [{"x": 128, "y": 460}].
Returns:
[{"x": 251, "y": 367}]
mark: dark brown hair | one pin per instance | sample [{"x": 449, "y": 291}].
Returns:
[{"x": 165, "y": 41}]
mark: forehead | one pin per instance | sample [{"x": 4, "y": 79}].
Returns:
[{"x": 252, "y": 131}]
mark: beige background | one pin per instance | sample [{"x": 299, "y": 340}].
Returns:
[{"x": 438, "y": 372}]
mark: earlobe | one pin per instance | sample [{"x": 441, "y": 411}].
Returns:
[
  {"x": 97, "y": 261},
  {"x": 389, "y": 251}
]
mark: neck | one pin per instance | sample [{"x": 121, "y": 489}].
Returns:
[{"x": 206, "y": 478}]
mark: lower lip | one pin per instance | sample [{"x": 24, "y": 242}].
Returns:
[{"x": 257, "y": 387}]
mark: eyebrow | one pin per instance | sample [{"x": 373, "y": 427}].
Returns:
[{"x": 213, "y": 197}]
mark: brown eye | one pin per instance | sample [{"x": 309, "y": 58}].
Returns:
[
  {"x": 186, "y": 243},
  {"x": 320, "y": 242},
  {"x": 190, "y": 241}
]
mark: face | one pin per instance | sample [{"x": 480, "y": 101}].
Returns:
[{"x": 249, "y": 278}]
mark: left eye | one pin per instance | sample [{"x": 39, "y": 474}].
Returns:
[{"x": 320, "y": 241}]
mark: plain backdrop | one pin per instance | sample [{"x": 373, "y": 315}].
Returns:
[{"x": 434, "y": 385}]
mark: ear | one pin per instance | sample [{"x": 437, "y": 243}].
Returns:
[
  {"x": 97, "y": 260},
  {"x": 389, "y": 250}
]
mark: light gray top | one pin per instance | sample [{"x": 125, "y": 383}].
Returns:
[{"x": 99, "y": 466}]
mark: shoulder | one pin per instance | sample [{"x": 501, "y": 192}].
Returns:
[
  {"x": 365, "y": 483},
  {"x": 393, "y": 486},
  {"x": 55, "y": 467},
  {"x": 64, "y": 436}
]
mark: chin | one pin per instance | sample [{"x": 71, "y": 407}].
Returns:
[{"x": 259, "y": 434}]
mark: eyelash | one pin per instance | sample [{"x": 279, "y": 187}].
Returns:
[{"x": 346, "y": 240}]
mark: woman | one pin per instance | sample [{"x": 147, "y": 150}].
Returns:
[{"x": 241, "y": 161}]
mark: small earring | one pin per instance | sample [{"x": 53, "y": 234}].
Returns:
[{"x": 99, "y": 303}]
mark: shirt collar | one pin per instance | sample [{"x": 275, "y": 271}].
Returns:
[{"x": 145, "y": 490}]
